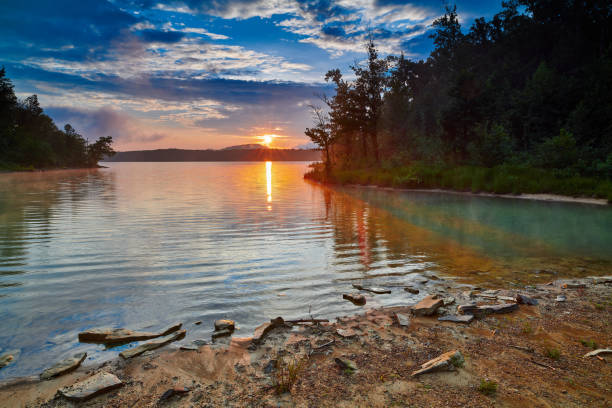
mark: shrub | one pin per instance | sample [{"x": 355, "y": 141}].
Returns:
[
  {"x": 552, "y": 353},
  {"x": 487, "y": 387}
]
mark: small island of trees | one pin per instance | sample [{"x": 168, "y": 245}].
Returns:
[
  {"x": 30, "y": 140},
  {"x": 521, "y": 103}
]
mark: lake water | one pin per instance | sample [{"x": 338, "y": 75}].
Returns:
[{"x": 144, "y": 245}]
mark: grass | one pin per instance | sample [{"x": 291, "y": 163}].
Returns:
[
  {"x": 527, "y": 329},
  {"x": 552, "y": 353},
  {"x": 589, "y": 343},
  {"x": 287, "y": 373},
  {"x": 487, "y": 387},
  {"x": 503, "y": 179}
]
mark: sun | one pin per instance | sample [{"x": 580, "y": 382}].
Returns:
[{"x": 267, "y": 139}]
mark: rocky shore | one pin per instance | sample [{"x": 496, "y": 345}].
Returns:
[{"x": 542, "y": 345}]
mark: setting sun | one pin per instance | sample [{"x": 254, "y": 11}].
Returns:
[{"x": 267, "y": 139}]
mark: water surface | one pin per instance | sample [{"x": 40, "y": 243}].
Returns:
[{"x": 143, "y": 245}]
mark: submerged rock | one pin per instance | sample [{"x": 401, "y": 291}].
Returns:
[
  {"x": 63, "y": 366},
  {"x": 221, "y": 333},
  {"x": 133, "y": 352},
  {"x": 108, "y": 336},
  {"x": 467, "y": 318},
  {"x": 91, "y": 387},
  {"x": 412, "y": 290},
  {"x": 262, "y": 331},
  {"x": 225, "y": 324},
  {"x": 373, "y": 290},
  {"x": 427, "y": 306},
  {"x": 447, "y": 361},
  {"x": 358, "y": 300},
  {"x": 6, "y": 359}
]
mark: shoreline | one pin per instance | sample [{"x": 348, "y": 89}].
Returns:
[
  {"x": 368, "y": 359},
  {"x": 534, "y": 197},
  {"x": 52, "y": 169}
]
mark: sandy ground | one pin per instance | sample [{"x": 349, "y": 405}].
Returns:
[
  {"x": 516, "y": 351},
  {"x": 538, "y": 197}
]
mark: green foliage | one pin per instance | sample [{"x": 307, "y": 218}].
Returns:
[
  {"x": 552, "y": 353},
  {"x": 487, "y": 387},
  {"x": 589, "y": 343},
  {"x": 29, "y": 139},
  {"x": 286, "y": 374},
  {"x": 529, "y": 88}
]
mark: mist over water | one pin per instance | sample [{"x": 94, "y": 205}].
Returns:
[{"x": 144, "y": 245}]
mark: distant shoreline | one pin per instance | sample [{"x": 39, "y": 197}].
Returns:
[{"x": 184, "y": 155}]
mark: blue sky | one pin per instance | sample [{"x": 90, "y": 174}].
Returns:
[{"x": 200, "y": 74}]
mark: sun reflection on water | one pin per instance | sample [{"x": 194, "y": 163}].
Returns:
[{"x": 269, "y": 181}]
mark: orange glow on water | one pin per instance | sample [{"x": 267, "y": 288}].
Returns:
[{"x": 269, "y": 181}]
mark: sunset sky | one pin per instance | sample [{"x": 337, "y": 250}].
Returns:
[{"x": 200, "y": 74}]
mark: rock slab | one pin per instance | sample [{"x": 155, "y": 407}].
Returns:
[
  {"x": 479, "y": 311},
  {"x": 109, "y": 336},
  {"x": 427, "y": 306},
  {"x": 358, "y": 300},
  {"x": 373, "y": 290},
  {"x": 447, "y": 361},
  {"x": 402, "y": 320},
  {"x": 63, "y": 366},
  {"x": 91, "y": 387},
  {"x": 225, "y": 324},
  {"x": 262, "y": 331},
  {"x": 467, "y": 318},
  {"x": 136, "y": 351}
]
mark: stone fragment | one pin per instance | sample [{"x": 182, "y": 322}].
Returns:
[
  {"x": 560, "y": 298},
  {"x": 508, "y": 299},
  {"x": 571, "y": 285},
  {"x": 63, "y": 366},
  {"x": 447, "y": 361},
  {"x": 263, "y": 330},
  {"x": 601, "y": 280},
  {"x": 171, "y": 392},
  {"x": 358, "y": 300},
  {"x": 92, "y": 386},
  {"x": 427, "y": 306},
  {"x": 479, "y": 311},
  {"x": 188, "y": 348},
  {"x": 270, "y": 367},
  {"x": 402, "y": 320},
  {"x": 346, "y": 333},
  {"x": 221, "y": 333},
  {"x": 373, "y": 290},
  {"x": 412, "y": 290},
  {"x": 225, "y": 324},
  {"x": 346, "y": 365},
  {"x": 6, "y": 359},
  {"x": 448, "y": 300},
  {"x": 199, "y": 322},
  {"x": 108, "y": 336},
  {"x": 133, "y": 352},
  {"x": 598, "y": 352},
  {"x": 525, "y": 300},
  {"x": 467, "y": 318}
]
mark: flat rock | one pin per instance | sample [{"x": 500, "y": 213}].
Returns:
[
  {"x": 224, "y": 324},
  {"x": 525, "y": 300},
  {"x": 402, "y": 320},
  {"x": 358, "y": 300},
  {"x": 6, "y": 359},
  {"x": 447, "y": 361},
  {"x": 373, "y": 290},
  {"x": 598, "y": 352},
  {"x": 221, "y": 333},
  {"x": 173, "y": 391},
  {"x": 571, "y": 285},
  {"x": 346, "y": 333},
  {"x": 483, "y": 310},
  {"x": 427, "y": 306},
  {"x": 448, "y": 301},
  {"x": 412, "y": 290},
  {"x": 136, "y": 351},
  {"x": 108, "y": 336},
  {"x": 188, "y": 348},
  {"x": 262, "y": 331},
  {"x": 601, "y": 280},
  {"x": 91, "y": 387},
  {"x": 63, "y": 366},
  {"x": 560, "y": 298},
  {"x": 467, "y": 318}
]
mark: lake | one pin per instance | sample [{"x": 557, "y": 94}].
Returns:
[{"x": 144, "y": 245}]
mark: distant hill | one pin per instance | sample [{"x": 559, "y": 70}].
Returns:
[
  {"x": 250, "y": 146},
  {"x": 227, "y": 154}
]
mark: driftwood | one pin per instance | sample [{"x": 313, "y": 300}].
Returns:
[{"x": 307, "y": 321}]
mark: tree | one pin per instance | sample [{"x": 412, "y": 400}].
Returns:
[
  {"x": 322, "y": 134},
  {"x": 98, "y": 150}
]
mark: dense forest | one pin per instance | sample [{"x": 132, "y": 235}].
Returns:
[
  {"x": 518, "y": 103},
  {"x": 30, "y": 140}
]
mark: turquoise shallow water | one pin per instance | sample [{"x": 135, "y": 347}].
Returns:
[{"x": 143, "y": 245}]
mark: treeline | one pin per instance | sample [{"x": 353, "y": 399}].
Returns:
[
  {"x": 30, "y": 140},
  {"x": 530, "y": 88}
]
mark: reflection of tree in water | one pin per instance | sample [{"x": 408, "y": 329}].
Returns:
[{"x": 28, "y": 204}]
